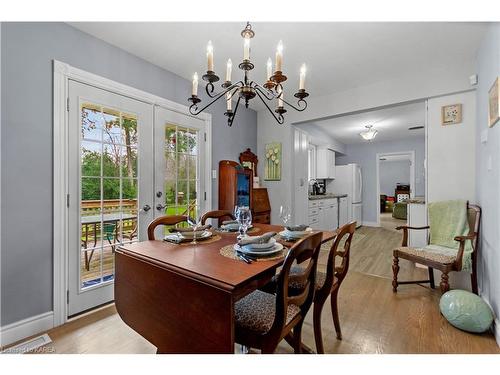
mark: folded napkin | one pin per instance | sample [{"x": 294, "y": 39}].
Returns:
[
  {"x": 191, "y": 229},
  {"x": 229, "y": 222},
  {"x": 252, "y": 240},
  {"x": 297, "y": 228}
]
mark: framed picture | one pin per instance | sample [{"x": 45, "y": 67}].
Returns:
[
  {"x": 493, "y": 103},
  {"x": 272, "y": 170},
  {"x": 451, "y": 114}
]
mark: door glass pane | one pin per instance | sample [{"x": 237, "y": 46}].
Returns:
[
  {"x": 181, "y": 184},
  {"x": 109, "y": 191}
]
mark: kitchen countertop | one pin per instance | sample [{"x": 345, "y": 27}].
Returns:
[{"x": 326, "y": 196}]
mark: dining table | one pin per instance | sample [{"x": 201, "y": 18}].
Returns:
[{"x": 181, "y": 297}]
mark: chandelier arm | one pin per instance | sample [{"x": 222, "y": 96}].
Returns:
[
  {"x": 211, "y": 85},
  {"x": 299, "y": 102},
  {"x": 265, "y": 92},
  {"x": 193, "y": 109},
  {"x": 231, "y": 119},
  {"x": 279, "y": 118}
]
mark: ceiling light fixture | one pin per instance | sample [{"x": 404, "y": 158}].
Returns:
[
  {"x": 247, "y": 89},
  {"x": 369, "y": 135}
]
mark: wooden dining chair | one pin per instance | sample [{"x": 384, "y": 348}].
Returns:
[
  {"x": 263, "y": 319},
  {"x": 164, "y": 220},
  {"x": 218, "y": 214}
]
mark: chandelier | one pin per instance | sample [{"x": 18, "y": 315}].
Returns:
[{"x": 246, "y": 89}]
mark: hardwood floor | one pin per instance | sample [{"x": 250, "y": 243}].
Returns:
[{"x": 372, "y": 317}]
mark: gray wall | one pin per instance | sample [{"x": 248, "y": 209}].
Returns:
[
  {"x": 488, "y": 181},
  {"x": 392, "y": 173},
  {"x": 27, "y": 53},
  {"x": 364, "y": 154}
]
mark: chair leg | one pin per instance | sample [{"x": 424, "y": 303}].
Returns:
[
  {"x": 473, "y": 280},
  {"x": 431, "y": 277},
  {"x": 395, "y": 270},
  {"x": 445, "y": 286},
  {"x": 297, "y": 337},
  {"x": 335, "y": 312},
  {"x": 318, "y": 336}
]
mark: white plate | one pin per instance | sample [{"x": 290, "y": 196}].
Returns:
[
  {"x": 261, "y": 246},
  {"x": 295, "y": 234},
  {"x": 277, "y": 248},
  {"x": 190, "y": 235}
]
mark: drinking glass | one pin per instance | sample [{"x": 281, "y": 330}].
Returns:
[
  {"x": 195, "y": 222},
  {"x": 244, "y": 219},
  {"x": 285, "y": 214}
]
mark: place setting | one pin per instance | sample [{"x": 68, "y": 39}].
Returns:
[
  {"x": 192, "y": 234},
  {"x": 242, "y": 223},
  {"x": 250, "y": 249},
  {"x": 292, "y": 233}
]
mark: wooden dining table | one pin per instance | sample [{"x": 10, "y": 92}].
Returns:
[{"x": 181, "y": 297}]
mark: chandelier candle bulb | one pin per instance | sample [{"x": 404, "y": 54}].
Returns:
[
  {"x": 195, "y": 85},
  {"x": 302, "y": 82},
  {"x": 229, "y": 68},
  {"x": 210, "y": 56},
  {"x": 246, "y": 49},
  {"x": 269, "y": 68},
  {"x": 279, "y": 56},
  {"x": 280, "y": 96}
]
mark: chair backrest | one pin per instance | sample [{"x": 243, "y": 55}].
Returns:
[
  {"x": 306, "y": 249},
  {"x": 164, "y": 220},
  {"x": 474, "y": 218},
  {"x": 219, "y": 214},
  {"x": 345, "y": 233}
]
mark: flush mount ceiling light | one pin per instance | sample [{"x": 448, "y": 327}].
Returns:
[
  {"x": 246, "y": 88},
  {"x": 369, "y": 134}
]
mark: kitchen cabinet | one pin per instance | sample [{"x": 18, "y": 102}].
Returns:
[
  {"x": 323, "y": 214},
  {"x": 325, "y": 163}
]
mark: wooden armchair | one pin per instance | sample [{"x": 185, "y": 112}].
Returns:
[
  {"x": 164, "y": 220},
  {"x": 219, "y": 214},
  {"x": 444, "y": 263}
]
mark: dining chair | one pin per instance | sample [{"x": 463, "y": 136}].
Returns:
[
  {"x": 263, "y": 319},
  {"x": 218, "y": 214},
  {"x": 328, "y": 284},
  {"x": 164, "y": 220}
]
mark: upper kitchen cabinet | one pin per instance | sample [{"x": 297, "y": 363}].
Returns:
[{"x": 325, "y": 163}]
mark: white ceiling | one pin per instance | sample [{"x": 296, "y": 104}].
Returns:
[
  {"x": 339, "y": 56},
  {"x": 392, "y": 123}
]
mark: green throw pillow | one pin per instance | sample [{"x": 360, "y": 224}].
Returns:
[{"x": 466, "y": 311}]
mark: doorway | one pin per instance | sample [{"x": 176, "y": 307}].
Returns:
[
  {"x": 395, "y": 185},
  {"x": 128, "y": 161}
]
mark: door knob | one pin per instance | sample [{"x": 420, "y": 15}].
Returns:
[
  {"x": 160, "y": 206},
  {"x": 145, "y": 208}
]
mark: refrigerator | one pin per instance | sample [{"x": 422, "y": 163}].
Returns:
[{"x": 349, "y": 180}]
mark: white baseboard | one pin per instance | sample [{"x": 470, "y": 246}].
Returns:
[
  {"x": 370, "y": 224},
  {"x": 25, "y": 328}
]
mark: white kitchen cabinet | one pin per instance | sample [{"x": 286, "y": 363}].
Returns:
[
  {"x": 323, "y": 214},
  {"x": 343, "y": 211},
  {"x": 325, "y": 163}
]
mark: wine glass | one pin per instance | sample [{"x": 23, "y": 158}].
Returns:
[
  {"x": 244, "y": 219},
  {"x": 285, "y": 214},
  {"x": 195, "y": 222}
]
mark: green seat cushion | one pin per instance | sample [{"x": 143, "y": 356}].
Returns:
[{"x": 466, "y": 311}]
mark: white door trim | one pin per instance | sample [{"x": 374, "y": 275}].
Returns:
[
  {"x": 62, "y": 73},
  {"x": 412, "y": 176}
]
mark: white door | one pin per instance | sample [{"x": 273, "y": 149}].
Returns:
[
  {"x": 110, "y": 180},
  {"x": 300, "y": 177},
  {"x": 180, "y": 168}
]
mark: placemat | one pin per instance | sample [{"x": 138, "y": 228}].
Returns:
[{"x": 229, "y": 252}]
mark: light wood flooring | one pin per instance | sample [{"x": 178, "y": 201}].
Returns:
[{"x": 373, "y": 318}]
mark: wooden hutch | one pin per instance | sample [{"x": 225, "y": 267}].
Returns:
[{"x": 236, "y": 187}]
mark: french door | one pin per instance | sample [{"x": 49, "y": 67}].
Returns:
[
  {"x": 110, "y": 179},
  {"x": 129, "y": 162},
  {"x": 179, "y": 165}
]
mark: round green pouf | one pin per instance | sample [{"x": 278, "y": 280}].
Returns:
[{"x": 466, "y": 311}]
